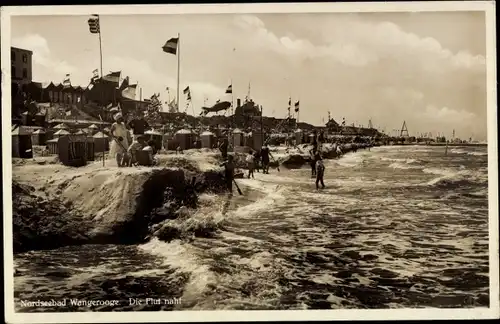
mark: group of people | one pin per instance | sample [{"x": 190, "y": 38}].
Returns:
[
  {"x": 255, "y": 159},
  {"x": 258, "y": 158},
  {"x": 263, "y": 156},
  {"x": 131, "y": 154}
]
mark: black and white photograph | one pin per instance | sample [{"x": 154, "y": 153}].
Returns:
[{"x": 300, "y": 161}]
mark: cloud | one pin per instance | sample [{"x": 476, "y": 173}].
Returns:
[
  {"x": 375, "y": 69},
  {"x": 42, "y": 56}
]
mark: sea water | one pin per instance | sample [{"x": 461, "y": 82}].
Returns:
[{"x": 399, "y": 226}]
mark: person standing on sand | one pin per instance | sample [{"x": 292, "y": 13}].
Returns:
[
  {"x": 120, "y": 143},
  {"x": 223, "y": 147},
  {"x": 251, "y": 164},
  {"x": 138, "y": 125},
  {"x": 137, "y": 145},
  {"x": 229, "y": 173},
  {"x": 320, "y": 171}
]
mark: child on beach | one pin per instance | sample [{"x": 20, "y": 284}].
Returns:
[
  {"x": 320, "y": 171},
  {"x": 137, "y": 145},
  {"x": 250, "y": 159}
]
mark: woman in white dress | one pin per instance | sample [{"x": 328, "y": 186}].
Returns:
[{"x": 119, "y": 145}]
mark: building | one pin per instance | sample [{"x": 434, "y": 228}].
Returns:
[{"x": 21, "y": 65}]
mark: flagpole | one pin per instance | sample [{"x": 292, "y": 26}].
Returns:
[
  {"x": 178, "y": 69},
  {"x": 102, "y": 94},
  {"x": 232, "y": 112},
  {"x": 298, "y": 113}
]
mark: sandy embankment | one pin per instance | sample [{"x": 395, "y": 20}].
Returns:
[{"x": 55, "y": 205}]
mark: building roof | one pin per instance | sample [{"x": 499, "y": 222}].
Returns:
[
  {"x": 100, "y": 135},
  {"x": 39, "y": 131},
  {"x": 19, "y": 130},
  {"x": 21, "y": 49},
  {"x": 152, "y": 132},
  {"x": 184, "y": 131},
  {"x": 62, "y": 132},
  {"x": 61, "y": 126}
]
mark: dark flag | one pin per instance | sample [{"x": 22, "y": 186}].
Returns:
[
  {"x": 229, "y": 89},
  {"x": 186, "y": 91},
  {"x": 171, "y": 46},
  {"x": 289, "y": 102},
  {"x": 66, "y": 82},
  {"x": 94, "y": 26},
  {"x": 297, "y": 105},
  {"x": 113, "y": 77}
]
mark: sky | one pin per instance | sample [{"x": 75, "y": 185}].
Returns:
[{"x": 425, "y": 68}]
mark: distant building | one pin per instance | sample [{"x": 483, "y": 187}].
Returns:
[{"x": 21, "y": 65}]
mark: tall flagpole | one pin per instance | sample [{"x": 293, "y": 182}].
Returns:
[
  {"x": 298, "y": 113},
  {"x": 100, "y": 55},
  {"x": 232, "y": 112},
  {"x": 178, "y": 69}
]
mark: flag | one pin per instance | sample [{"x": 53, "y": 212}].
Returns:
[
  {"x": 172, "y": 106},
  {"x": 289, "y": 102},
  {"x": 124, "y": 84},
  {"x": 229, "y": 89},
  {"x": 95, "y": 76},
  {"x": 66, "y": 82},
  {"x": 297, "y": 106},
  {"x": 218, "y": 100},
  {"x": 129, "y": 92},
  {"x": 168, "y": 89},
  {"x": 171, "y": 46},
  {"x": 113, "y": 77},
  {"x": 94, "y": 26},
  {"x": 186, "y": 91},
  {"x": 189, "y": 96}
]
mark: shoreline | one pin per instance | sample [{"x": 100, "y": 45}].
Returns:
[{"x": 56, "y": 206}]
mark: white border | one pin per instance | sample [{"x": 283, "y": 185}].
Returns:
[{"x": 292, "y": 315}]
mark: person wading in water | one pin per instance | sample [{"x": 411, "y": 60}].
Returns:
[
  {"x": 250, "y": 159},
  {"x": 120, "y": 143},
  {"x": 229, "y": 173},
  {"x": 320, "y": 171},
  {"x": 265, "y": 154},
  {"x": 257, "y": 160},
  {"x": 314, "y": 157}
]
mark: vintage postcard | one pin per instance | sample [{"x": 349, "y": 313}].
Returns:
[{"x": 306, "y": 161}]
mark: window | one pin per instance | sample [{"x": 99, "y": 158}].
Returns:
[
  {"x": 25, "y": 73},
  {"x": 25, "y": 58},
  {"x": 13, "y": 72},
  {"x": 12, "y": 55}
]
